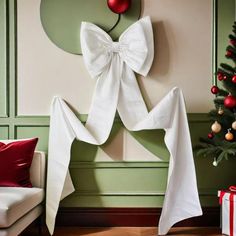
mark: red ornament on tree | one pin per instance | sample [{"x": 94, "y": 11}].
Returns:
[
  {"x": 210, "y": 135},
  {"x": 233, "y": 42},
  {"x": 220, "y": 76},
  {"x": 228, "y": 53},
  {"x": 230, "y": 102},
  {"x": 234, "y": 79},
  {"x": 214, "y": 89},
  {"x": 225, "y": 77},
  {"x": 119, "y": 6}
]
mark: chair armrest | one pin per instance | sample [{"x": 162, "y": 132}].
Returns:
[{"x": 38, "y": 169}]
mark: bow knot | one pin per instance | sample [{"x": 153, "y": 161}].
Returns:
[
  {"x": 135, "y": 47},
  {"x": 115, "y": 47}
]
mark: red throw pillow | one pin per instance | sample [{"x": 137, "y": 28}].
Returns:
[{"x": 15, "y": 161}]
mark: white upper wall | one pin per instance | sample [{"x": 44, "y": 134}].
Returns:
[
  {"x": 183, "y": 44},
  {"x": 182, "y": 31}
]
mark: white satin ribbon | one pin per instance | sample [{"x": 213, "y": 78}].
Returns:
[{"x": 112, "y": 64}]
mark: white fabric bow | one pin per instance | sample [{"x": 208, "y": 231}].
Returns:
[
  {"x": 113, "y": 63},
  {"x": 135, "y": 47}
]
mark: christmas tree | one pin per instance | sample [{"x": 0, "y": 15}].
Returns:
[{"x": 221, "y": 141}]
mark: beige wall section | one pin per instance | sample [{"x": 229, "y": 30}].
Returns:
[
  {"x": 124, "y": 147},
  {"x": 44, "y": 70},
  {"x": 182, "y": 30},
  {"x": 183, "y": 42}
]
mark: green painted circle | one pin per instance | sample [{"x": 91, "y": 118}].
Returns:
[{"x": 61, "y": 20}]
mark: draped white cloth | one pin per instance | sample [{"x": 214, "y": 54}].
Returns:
[{"x": 113, "y": 65}]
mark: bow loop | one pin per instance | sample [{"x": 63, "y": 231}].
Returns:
[
  {"x": 135, "y": 47},
  {"x": 139, "y": 50},
  {"x": 94, "y": 44}
]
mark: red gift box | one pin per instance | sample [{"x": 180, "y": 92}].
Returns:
[{"x": 227, "y": 199}]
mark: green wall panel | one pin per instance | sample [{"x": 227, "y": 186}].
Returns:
[
  {"x": 76, "y": 200},
  {"x": 199, "y": 129},
  {"x": 209, "y": 201},
  {"x": 4, "y": 132},
  {"x": 79, "y": 200},
  {"x": 3, "y": 58},
  {"x": 153, "y": 140},
  {"x": 82, "y": 151},
  {"x": 211, "y": 178},
  {"x": 226, "y": 18},
  {"x": 120, "y": 180},
  {"x": 34, "y": 131},
  {"x": 61, "y": 20}
]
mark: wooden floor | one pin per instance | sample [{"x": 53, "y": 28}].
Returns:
[{"x": 125, "y": 231}]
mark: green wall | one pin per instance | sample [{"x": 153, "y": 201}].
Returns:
[
  {"x": 103, "y": 184},
  {"x": 225, "y": 19}
]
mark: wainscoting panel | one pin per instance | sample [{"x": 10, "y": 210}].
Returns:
[
  {"x": 113, "y": 200},
  {"x": 3, "y": 59},
  {"x": 4, "y": 130},
  {"x": 122, "y": 200},
  {"x": 118, "y": 180},
  {"x": 29, "y": 131}
]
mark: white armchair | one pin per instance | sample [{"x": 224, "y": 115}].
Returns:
[{"x": 19, "y": 207}]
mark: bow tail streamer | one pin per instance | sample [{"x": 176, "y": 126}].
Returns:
[
  {"x": 57, "y": 161},
  {"x": 104, "y": 102},
  {"x": 181, "y": 198},
  {"x": 65, "y": 127}
]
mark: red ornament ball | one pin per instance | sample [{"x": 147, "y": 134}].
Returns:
[
  {"x": 228, "y": 53},
  {"x": 210, "y": 135},
  {"x": 220, "y": 76},
  {"x": 215, "y": 89},
  {"x": 234, "y": 79},
  {"x": 230, "y": 102},
  {"x": 233, "y": 42},
  {"x": 225, "y": 77},
  {"x": 119, "y": 6}
]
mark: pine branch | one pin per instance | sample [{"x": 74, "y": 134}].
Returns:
[
  {"x": 222, "y": 93},
  {"x": 231, "y": 48},
  {"x": 219, "y": 102},
  {"x": 232, "y": 37},
  {"x": 229, "y": 86},
  {"x": 221, "y": 157},
  {"x": 228, "y": 68},
  {"x": 234, "y": 29},
  {"x": 226, "y": 120},
  {"x": 216, "y": 149}
]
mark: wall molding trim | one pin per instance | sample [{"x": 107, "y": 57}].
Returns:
[
  {"x": 132, "y": 217},
  {"x": 4, "y": 76}
]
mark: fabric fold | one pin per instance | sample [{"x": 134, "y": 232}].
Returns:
[{"x": 112, "y": 64}]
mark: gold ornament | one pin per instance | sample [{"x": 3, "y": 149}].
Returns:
[
  {"x": 216, "y": 127},
  {"x": 229, "y": 136},
  {"x": 220, "y": 111},
  {"x": 234, "y": 125}
]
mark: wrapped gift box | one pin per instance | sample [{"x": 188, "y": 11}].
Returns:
[{"x": 228, "y": 202}]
